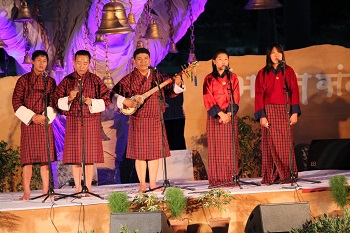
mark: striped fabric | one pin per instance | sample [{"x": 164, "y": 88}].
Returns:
[
  {"x": 221, "y": 166},
  {"x": 29, "y": 92},
  {"x": 277, "y": 145}
]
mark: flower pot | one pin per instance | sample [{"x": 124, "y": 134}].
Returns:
[
  {"x": 219, "y": 225},
  {"x": 179, "y": 226}
]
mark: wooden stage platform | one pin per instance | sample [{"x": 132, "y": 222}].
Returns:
[{"x": 92, "y": 213}]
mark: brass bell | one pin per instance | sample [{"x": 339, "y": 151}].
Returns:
[
  {"x": 99, "y": 38},
  {"x": 57, "y": 66},
  {"x": 108, "y": 81},
  {"x": 131, "y": 19},
  {"x": 2, "y": 44},
  {"x": 24, "y": 13},
  {"x": 119, "y": 12},
  {"x": 192, "y": 57},
  {"x": 152, "y": 31},
  {"x": 262, "y": 5},
  {"x": 27, "y": 59},
  {"x": 110, "y": 24},
  {"x": 172, "y": 47},
  {"x": 139, "y": 44}
]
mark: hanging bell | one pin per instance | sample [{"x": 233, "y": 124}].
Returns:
[
  {"x": 2, "y": 44},
  {"x": 99, "y": 38},
  {"x": 58, "y": 66},
  {"x": 192, "y": 57},
  {"x": 262, "y": 5},
  {"x": 24, "y": 13},
  {"x": 110, "y": 24},
  {"x": 172, "y": 47},
  {"x": 27, "y": 59},
  {"x": 119, "y": 12},
  {"x": 108, "y": 81},
  {"x": 131, "y": 19},
  {"x": 139, "y": 44},
  {"x": 152, "y": 31}
]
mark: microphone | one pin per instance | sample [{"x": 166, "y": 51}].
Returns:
[
  {"x": 152, "y": 68},
  {"x": 44, "y": 73},
  {"x": 227, "y": 68},
  {"x": 281, "y": 62}
]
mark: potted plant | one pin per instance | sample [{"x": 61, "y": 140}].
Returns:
[
  {"x": 216, "y": 200},
  {"x": 176, "y": 203}
]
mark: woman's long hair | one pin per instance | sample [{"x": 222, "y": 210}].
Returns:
[
  {"x": 215, "y": 72},
  {"x": 269, "y": 63}
]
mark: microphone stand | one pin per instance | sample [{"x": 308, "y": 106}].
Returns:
[
  {"x": 51, "y": 192},
  {"x": 84, "y": 188},
  {"x": 235, "y": 178},
  {"x": 293, "y": 176},
  {"x": 166, "y": 182}
]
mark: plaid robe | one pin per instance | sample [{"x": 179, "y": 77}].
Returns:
[
  {"x": 216, "y": 95},
  {"x": 277, "y": 146},
  {"x": 83, "y": 134},
  {"x": 145, "y": 128},
  {"x": 29, "y": 92},
  {"x": 277, "y": 141}
]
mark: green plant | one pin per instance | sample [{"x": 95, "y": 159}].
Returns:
[
  {"x": 249, "y": 137},
  {"x": 339, "y": 190},
  {"x": 327, "y": 224},
  {"x": 144, "y": 202},
  {"x": 10, "y": 167},
  {"x": 176, "y": 201},
  {"x": 125, "y": 229},
  {"x": 118, "y": 202},
  {"x": 216, "y": 199}
]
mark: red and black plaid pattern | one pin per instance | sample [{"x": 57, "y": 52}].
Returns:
[
  {"x": 92, "y": 87},
  {"x": 145, "y": 129},
  {"x": 221, "y": 166},
  {"x": 277, "y": 144},
  {"x": 29, "y": 92},
  {"x": 73, "y": 140}
]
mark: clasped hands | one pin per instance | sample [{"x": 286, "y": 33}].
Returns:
[
  {"x": 73, "y": 95},
  {"x": 225, "y": 117},
  {"x": 38, "y": 119}
]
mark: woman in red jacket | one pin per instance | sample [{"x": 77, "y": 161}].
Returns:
[{"x": 277, "y": 108}]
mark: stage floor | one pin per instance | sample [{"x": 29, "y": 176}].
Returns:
[{"x": 246, "y": 198}]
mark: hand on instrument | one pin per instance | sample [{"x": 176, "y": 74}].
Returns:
[
  {"x": 178, "y": 80},
  {"x": 130, "y": 103}
]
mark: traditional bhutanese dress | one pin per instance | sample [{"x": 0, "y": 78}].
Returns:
[
  {"x": 147, "y": 139},
  {"x": 29, "y": 99},
  {"x": 223, "y": 145},
  {"x": 83, "y": 125},
  {"x": 277, "y": 141}
]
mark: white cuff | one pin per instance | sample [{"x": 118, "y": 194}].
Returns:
[
  {"x": 51, "y": 114},
  {"x": 24, "y": 114},
  {"x": 118, "y": 100},
  {"x": 97, "y": 105},
  {"x": 178, "y": 89},
  {"x": 63, "y": 103}
]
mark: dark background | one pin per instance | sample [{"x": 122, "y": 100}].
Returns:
[{"x": 298, "y": 24}]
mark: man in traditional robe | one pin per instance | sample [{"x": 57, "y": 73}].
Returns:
[
  {"x": 82, "y": 96},
  {"x": 28, "y": 102},
  {"x": 147, "y": 140}
]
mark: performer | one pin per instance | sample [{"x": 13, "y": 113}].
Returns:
[
  {"x": 145, "y": 129},
  {"x": 95, "y": 96},
  {"x": 221, "y": 110},
  {"x": 271, "y": 110},
  {"x": 28, "y": 102}
]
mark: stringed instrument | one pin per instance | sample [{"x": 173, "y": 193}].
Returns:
[{"x": 141, "y": 98}]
